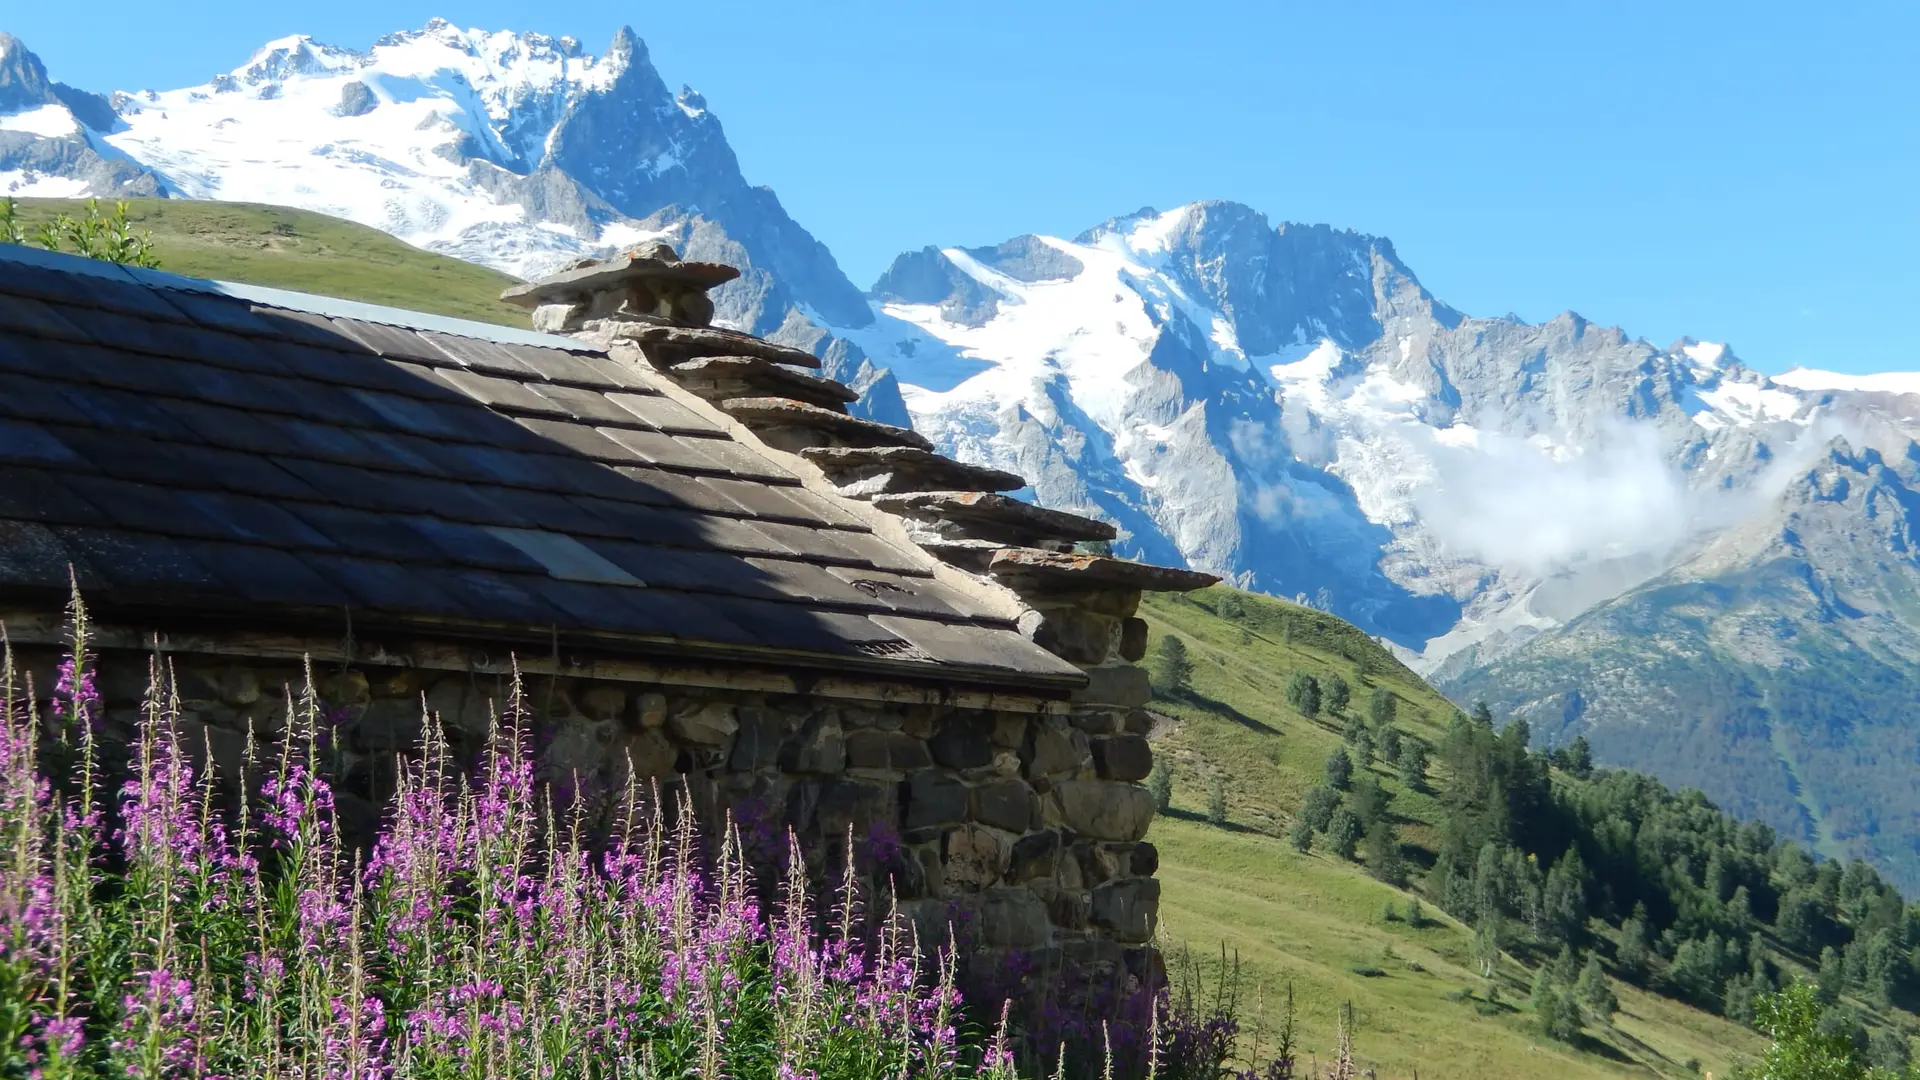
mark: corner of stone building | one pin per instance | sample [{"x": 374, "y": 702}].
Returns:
[{"x": 1022, "y": 834}]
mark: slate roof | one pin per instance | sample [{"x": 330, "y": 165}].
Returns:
[{"x": 261, "y": 459}]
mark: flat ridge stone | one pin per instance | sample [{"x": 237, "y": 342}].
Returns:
[
  {"x": 575, "y": 285},
  {"x": 1007, "y": 517},
  {"x": 1058, "y": 569},
  {"x": 765, "y": 414},
  {"x": 865, "y": 471},
  {"x": 687, "y": 342},
  {"x": 718, "y": 378}
]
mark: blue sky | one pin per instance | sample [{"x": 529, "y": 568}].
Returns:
[{"x": 1740, "y": 172}]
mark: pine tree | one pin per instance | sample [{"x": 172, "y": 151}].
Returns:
[
  {"x": 1303, "y": 693},
  {"x": 1318, "y": 807},
  {"x": 1593, "y": 991},
  {"x": 1383, "y": 852},
  {"x": 1413, "y": 764},
  {"x": 1390, "y": 745},
  {"x": 1832, "y": 978},
  {"x": 1354, "y": 726},
  {"x": 1885, "y": 964},
  {"x": 1740, "y": 911},
  {"x": 1363, "y": 749},
  {"x": 1338, "y": 694},
  {"x": 1416, "y": 915},
  {"x": 1566, "y": 967},
  {"x": 1541, "y": 999},
  {"x": 1367, "y": 799},
  {"x": 1172, "y": 669},
  {"x": 1634, "y": 952},
  {"x": 1565, "y": 897},
  {"x": 1492, "y": 892},
  {"x": 1343, "y": 833},
  {"x": 1301, "y": 835},
  {"x": 1382, "y": 706},
  {"x": 1799, "y": 919},
  {"x": 1562, "y": 1021},
  {"x": 1737, "y": 1002},
  {"x": 1489, "y": 936},
  {"x": 1339, "y": 768},
  {"x": 1217, "y": 801},
  {"x": 1575, "y": 759},
  {"x": 1160, "y": 783}
]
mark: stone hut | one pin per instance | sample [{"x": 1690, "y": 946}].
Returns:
[{"x": 700, "y": 563}]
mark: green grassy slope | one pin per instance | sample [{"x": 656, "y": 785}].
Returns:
[
  {"x": 306, "y": 252},
  {"x": 1316, "y": 920}
]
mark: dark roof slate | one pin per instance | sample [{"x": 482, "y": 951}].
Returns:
[{"x": 277, "y": 461}]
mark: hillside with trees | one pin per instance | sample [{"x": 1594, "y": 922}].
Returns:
[{"x": 1469, "y": 889}]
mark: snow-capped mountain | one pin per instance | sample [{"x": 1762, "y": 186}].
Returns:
[
  {"x": 519, "y": 151},
  {"x": 1713, "y": 574},
  {"x": 1287, "y": 405}
]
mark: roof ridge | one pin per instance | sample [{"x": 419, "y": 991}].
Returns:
[{"x": 1017, "y": 550}]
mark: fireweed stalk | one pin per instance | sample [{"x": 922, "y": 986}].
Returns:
[{"x": 170, "y": 929}]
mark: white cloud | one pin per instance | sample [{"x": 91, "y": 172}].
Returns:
[{"x": 1522, "y": 505}]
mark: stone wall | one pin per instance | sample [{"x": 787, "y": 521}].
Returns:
[{"x": 1024, "y": 829}]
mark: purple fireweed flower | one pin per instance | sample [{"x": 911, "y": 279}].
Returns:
[
  {"x": 29, "y": 918},
  {"x": 158, "y": 810},
  {"x": 158, "y": 1034},
  {"x": 298, "y": 800},
  {"x": 76, "y": 700}
]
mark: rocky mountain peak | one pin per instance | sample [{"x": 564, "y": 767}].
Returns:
[
  {"x": 24, "y": 86},
  {"x": 23, "y": 78}
]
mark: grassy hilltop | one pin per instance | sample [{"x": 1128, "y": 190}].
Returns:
[{"x": 303, "y": 251}]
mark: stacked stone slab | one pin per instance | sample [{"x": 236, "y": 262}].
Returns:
[{"x": 1028, "y": 828}]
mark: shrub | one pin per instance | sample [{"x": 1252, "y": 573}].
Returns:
[{"x": 92, "y": 234}]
